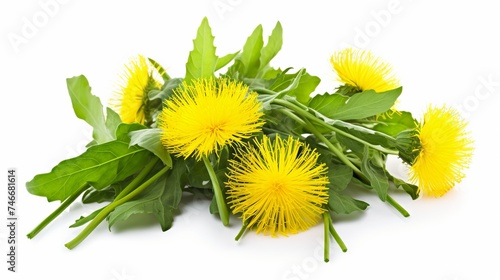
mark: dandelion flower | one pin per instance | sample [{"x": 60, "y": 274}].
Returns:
[
  {"x": 204, "y": 116},
  {"x": 130, "y": 100},
  {"x": 446, "y": 150},
  {"x": 278, "y": 187},
  {"x": 362, "y": 70}
]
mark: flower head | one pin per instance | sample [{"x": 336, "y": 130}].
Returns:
[
  {"x": 277, "y": 186},
  {"x": 130, "y": 100},
  {"x": 445, "y": 151},
  {"x": 362, "y": 70},
  {"x": 204, "y": 116}
]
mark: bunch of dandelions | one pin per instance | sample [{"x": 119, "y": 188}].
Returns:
[{"x": 278, "y": 156}]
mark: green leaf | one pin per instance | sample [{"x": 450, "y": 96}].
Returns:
[
  {"x": 395, "y": 123},
  {"x": 101, "y": 165},
  {"x": 107, "y": 194},
  {"x": 202, "y": 59},
  {"x": 223, "y": 61},
  {"x": 160, "y": 199},
  {"x": 339, "y": 176},
  {"x": 274, "y": 44},
  {"x": 327, "y": 104},
  {"x": 347, "y": 90},
  {"x": 123, "y": 131},
  {"x": 343, "y": 204},
  {"x": 304, "y": 85},
  {"x": 150, "y": 139},
  {"x": 279, "y": 123},
  {"x": 112, "y": 121},
  {"x": 368, "y": 135},
  {"x": 88, "y": 107},
  {"x": 198, "y": 176},
  {"x": 247, "y": 63},
  {"x": 361, "y": 105},
  {"x": 83, "y": 220},
  {"x": 410, "y": 189},
  {"x": 351, "y": 144},
  {"x": 373, "y": 168},
  {"x": 93, "y": 195},
  {"x": 270, "y": 73},
  {"x": 167, "y": 91},
  {"x": 355, "y": 182},
  {"x": 293, "y": 85},
  {"x": 160, "y": 69}
]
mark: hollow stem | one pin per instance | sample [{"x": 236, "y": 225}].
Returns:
[
  {"x": 242, "y": 231},
  {"x": 137, "y": 180},
  {"x": 398, "y": 207},
  {"x": 332, "y": 148},
  {"x": 306, "y": 120},
  {"x": 335, "y": 235},
  {"x": 219, "y": 198},
  {"x": 326, "y": 246},
  {"x": 302, "y": 112},
  {"x": 67, "y": 202},
  {"x": 104, "y": 213}
]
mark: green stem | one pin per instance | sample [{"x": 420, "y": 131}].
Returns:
[
  {"x": 137, "y": 180},
  {"x": 332, "y": 148},
  {"x": 398, "y": 207},
  {"x": 308, "y": 117},
  {"x": 376, "y": 147},
  {"x": 311, "y": 117},
  {"x": 292, "y": 116},
  {"x": 242, "y": 231},
  {"x": 67, "y": 202},
  {"x": 104, "y": 213},
  {"x": 346, "y": 160},
  {"x": 326, "y": 246},
  {"x": 265, "y": 91},
  {"x": 219, "y": 198},
  {"x": 335, "y": 235}
]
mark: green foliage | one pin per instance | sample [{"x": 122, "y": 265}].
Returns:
[
  {"x": 202, "y": 59},
  {"x": 88, "y": 107},
  {"x": 373, "y": 167},
  {"x": 161, "y": 199},
  {"x": 223, "y": 61},
  {"x": 100, "y": 166},
  {"x": 150, "y": 139},
  {"x": 163, "y": 73},
  {"x": 167, "y": 90},
  {"x": 359, "y": 106},
  {"x": 274, "y": 44},
  {"x": 395, "y": 122},
  {"x": 344, "y": 204},
  {"x": 254, "y": 59},
  {"x": 128, "y": 168}
]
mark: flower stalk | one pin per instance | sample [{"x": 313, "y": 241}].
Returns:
[{"x": 105, "y": 212}]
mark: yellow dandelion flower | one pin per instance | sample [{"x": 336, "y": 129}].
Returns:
[
  {"x": 278, "y": 187},
  {"x": 363, "y": 70},
  {"x": 446, "y": 150},
  {"x": 130, "y": 100},
  {"x": 204, "y": 116}
]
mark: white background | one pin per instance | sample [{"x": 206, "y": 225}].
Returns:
[{"x": 442, "y": 52}]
